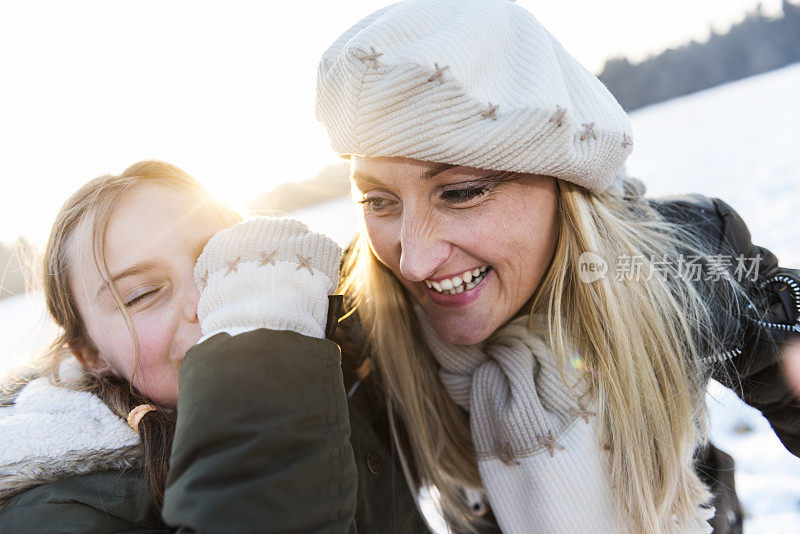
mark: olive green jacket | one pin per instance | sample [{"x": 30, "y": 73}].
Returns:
[{"x": 263, "y": 443}]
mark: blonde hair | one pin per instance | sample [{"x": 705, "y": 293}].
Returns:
[
  {"x": 88, "y": 212},
  {"x": 646, "y": 340}
]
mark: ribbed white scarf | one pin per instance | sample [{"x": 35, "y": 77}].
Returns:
[{"x": 535, "y": 439}]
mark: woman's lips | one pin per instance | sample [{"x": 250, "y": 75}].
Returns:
[{"x": 463, "y": 298}]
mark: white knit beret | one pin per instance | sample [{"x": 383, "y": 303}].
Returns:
[{"x": 470, "y": 82}]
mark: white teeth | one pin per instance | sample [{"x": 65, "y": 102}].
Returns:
[{"x": 460, "y": 283}]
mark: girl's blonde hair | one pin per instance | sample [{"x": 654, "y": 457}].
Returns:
[
  {"x": 647, "y": 340},
  {"x": 83, "y": 220}
]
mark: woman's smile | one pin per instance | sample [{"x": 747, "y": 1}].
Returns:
[
  {"x": 470, "y": 245},
  {"x": 459, "y": 290}
]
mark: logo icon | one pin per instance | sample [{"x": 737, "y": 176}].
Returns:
[{"x": 591, "y": 267}]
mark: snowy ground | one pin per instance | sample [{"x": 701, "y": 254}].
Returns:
[{"x": 738, "y": 142}]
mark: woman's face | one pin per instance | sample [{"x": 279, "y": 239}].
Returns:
[
  {"x": 470, "y": 245},
  {"x": 153, "y": 239}
]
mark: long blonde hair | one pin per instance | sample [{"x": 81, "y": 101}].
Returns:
[
  {"x": 648, "y": 342},
  {"x": 84, "y": 218}
]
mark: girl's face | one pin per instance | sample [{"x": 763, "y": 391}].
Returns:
[
  {"x": 153, "y": 239},
  {"x": 470, "y": 245}
]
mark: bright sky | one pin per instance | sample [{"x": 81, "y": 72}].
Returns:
[{"x": 224, "y": 90}]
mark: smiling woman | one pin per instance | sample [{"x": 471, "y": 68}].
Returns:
[
  {"x": 458, "y": 234},
  {"x": 490, "y": 165}
]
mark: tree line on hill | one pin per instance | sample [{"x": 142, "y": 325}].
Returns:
[{"x": 757, "y": 44}]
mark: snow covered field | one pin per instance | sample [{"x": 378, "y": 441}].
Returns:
[{"x": 739, "y": 142}]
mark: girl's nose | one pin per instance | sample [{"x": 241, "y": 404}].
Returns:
[
  {"x": 422, "y": 251},
  {"x": 190, "y": 301}
]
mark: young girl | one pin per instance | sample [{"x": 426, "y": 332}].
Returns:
[{"x": 182, "y": 392}]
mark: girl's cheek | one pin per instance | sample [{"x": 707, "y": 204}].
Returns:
[
  {"x": 154, "y": 339},
  {"x": 156, "y": 375},
  {"x": 154, "y": 342}
]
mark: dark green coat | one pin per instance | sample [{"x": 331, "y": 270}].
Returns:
[{"x": 264, "y": 443}]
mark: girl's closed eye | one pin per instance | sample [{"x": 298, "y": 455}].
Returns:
[{"x": 139, "y": 296}]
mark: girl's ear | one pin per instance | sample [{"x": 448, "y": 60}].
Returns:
[{"x": 88, "y": 357}]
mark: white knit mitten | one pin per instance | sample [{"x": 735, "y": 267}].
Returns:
[{"x": 266, "y": 273}]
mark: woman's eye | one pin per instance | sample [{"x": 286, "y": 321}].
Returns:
[
  {"x": 140, "y": 298},
  {"x": 375, "y": 204},
  {"x": 456, "y": 196}
]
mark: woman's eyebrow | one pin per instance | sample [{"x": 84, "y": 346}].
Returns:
[
  {"x": 136, "y": 268},
  {"x": 361, "y": 177},
  {"x": 430, "y": 173},
  {"x": 427, "y": 175}
]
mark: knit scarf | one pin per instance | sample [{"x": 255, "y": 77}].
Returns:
[{"x": 535, "y": 437}]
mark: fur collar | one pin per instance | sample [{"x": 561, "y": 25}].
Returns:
[{"x": 52, "y": 432}]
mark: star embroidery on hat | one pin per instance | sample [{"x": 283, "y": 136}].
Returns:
[
  {"x": 626, "y": 140},
  {"x": 558, "y": 116},
  {"x": 232, "y": 265},
  {"x": 373, "y": 57},
  {"x": 551, "y": 444},
  {"x": 588, "y": 130},
  {"x": 268, "y": 258},
  {"x": 581, "y": 412},
  {"x": 304, "y": 261},
  {"x": 438, "y": 74},
  {"x": 491, "y": 112}
]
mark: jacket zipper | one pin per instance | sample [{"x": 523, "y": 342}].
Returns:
[
  {"x": 736, "y": 351},
  {"x": 795, "y": 293}
]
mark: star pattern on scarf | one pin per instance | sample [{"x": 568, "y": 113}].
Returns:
[
  {"x": 551, "y": 444},
  {"x": 588, "y": 131},
  {"x": 505, "y": 454},
  {"x": 582, "y": 412},
  {"x": 304, "y": 261},
  {"x": 558, "y": 116},
  {"x": 267, "y": 258},
  {"x": 491, "y": 112},
  {"x": 438, "y": 74},
  {"x": 231, "y": 267}
]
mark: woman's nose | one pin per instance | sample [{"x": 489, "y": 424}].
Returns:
[{"x": 422, "y": 249}]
